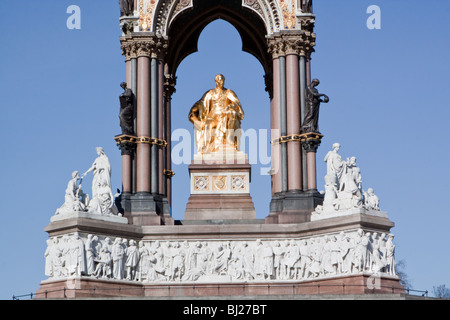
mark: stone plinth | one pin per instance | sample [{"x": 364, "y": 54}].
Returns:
[
  {"x": 293, "y": 206},
  {"x": 82, "y": 287},
  {"x": 212, "y": 259},
  {"x": 110, "y": 218},
  {"x": 146, "y": 209},
  {"x": 220, "y": 187},
  {"x": 322, "y": 214}
]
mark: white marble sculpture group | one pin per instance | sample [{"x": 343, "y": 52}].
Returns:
[
  {"x": 343, "y": 189},
  {"x": 102, "y": 201},
  {"x": 103, "y": 257}
]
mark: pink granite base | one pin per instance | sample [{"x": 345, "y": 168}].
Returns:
[
  {"x": 344, "y": 285},
  {"x": 219, "y": 206}
]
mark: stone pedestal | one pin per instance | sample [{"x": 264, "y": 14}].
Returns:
[
  {"x": 146, "y": 209},
  {"x": 220, "y": 187},
  {"x": 241, "y": 259},
  {"x": 293, "y": 206}
]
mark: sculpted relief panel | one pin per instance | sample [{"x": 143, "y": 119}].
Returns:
[{"x": 156, "y": 261}]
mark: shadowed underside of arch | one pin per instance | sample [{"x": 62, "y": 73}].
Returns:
[{"x": 185, "y": 30}]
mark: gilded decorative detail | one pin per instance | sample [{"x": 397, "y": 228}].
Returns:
[
  {"x": 201, "y": 183},
  {"x": 149, "y": 140},
  {"x": 238, "y": 182},
  {"x": 146, "y": 8},
  {"x": 168, "y": 173},
  {"x": 288, "y": 10},
  {"x": 156, "y": 16},
  {"x": 219, "y": 183}
]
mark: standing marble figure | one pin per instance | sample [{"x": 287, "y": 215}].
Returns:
[
  {"x": 101, "y": 169},
  {"x": 311, "y": 121}
]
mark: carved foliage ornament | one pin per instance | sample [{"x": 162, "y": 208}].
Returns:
[
  {"x": 301, "y": 43},
  {"x": 149, "y": 46}
]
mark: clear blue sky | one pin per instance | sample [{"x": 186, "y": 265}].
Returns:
[{"x": 389, "y": 107}]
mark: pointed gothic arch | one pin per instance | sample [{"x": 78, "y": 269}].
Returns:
[
  {"x": 186, "y": 27},
  {"x": 155, "y": 40}
]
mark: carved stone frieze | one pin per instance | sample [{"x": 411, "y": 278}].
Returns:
[{"x": 220, "y": 260}]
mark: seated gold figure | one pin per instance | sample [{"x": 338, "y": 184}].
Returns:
[{"x": 217, "y": 119}]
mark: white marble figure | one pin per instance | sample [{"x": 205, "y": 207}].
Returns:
[
  {"x": 267, "y": 253},
  {"x": 132, "y": 259},
  {"x": 258, "y": 268},
  {"x": 390, "y": 252},
  {"x": 144, "y": 266},
  {"x": 277, "y": 261},
  {"x": 221, "y": 256},
  {"x": 177, "y": 259},
  {"x": 335, "y": 164},
  {"x": 292, "y": 257},
  {"x": 248, "y": 259},
  {"x": 343, "y": 190},
  {"x": 350, "y": 190},
  {"x": 371, "y": 200},
  {"x": 118, "y": 255},
  {"x": 104, "y": 262},
  {"x": 305, "y": 259},
  {"x": 76, "y": 260},
  {"x": 74, "y": 200},
  {"x": 53, "y": 261},
  {"x": 91, "y": 254},
  {"x": 102, "y": 201},
  {"x": 350, "y": 252}
]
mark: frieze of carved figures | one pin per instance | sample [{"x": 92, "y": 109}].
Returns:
[
  {"x": 343, "y": 189},
  {"x": 102, "y": 257},
  {"x": 102, "y": 202}
]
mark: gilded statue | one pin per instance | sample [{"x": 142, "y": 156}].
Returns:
[{"x": 217, "y": 119}]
